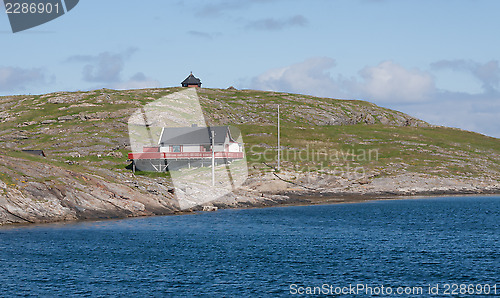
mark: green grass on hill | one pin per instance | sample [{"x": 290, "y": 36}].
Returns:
[{"x": 431, "y": 150}]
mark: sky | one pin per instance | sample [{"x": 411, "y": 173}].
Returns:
[{"x": 435, "y": 60}]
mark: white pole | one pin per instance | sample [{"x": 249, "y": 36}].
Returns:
[
  {"x": 279, "y": 148},
  {"x": 213, "y": 157}
]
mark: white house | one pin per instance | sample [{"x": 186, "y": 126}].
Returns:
[{"x": 197, "y": 139}]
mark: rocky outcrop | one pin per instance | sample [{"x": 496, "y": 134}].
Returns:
[
  {"x": 261, "y": 109},
  {"x": 407, "y": 184},
  {"x": 48, "y": 193},
  {"x": 42, "y": 192}
]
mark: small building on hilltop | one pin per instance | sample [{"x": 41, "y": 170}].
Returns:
[{"x": 191, "y": 81}]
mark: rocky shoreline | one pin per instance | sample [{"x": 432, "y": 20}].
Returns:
[
  {"x": 42, "y": 193},
  {"x": 267, "y": 201},
  {"x": 341, "y": 198},
  {"x": 305, "y": 198}
]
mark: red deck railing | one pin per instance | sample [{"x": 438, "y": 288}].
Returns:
[{"x": 183, "y": 155}]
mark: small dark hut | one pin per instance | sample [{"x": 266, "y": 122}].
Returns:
[
  {"x": 191, "y": 81},
  {"x": 35, "y": 152}
]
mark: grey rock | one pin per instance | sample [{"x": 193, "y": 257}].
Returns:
[
  {"x": 369, "y": 119},
  {"x": 384, "y": 120},
  {"x": 67, "y": 118}
]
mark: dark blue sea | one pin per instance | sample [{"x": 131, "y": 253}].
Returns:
[{"x": 397, "y": 244}]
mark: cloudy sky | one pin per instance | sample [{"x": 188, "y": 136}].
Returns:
[{"x": 436, "y": 60}]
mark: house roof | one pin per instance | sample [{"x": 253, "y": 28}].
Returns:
[
  {"x": 191, "y": 80},
  {"x": 193, "y": 135},
  {"x": 34, "y": 152}
]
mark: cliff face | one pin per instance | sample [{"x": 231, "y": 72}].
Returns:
[
  {"x": 86, "y": 175},
  {"x": 44, "y": 193}
]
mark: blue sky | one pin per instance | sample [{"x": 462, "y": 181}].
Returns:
[{"x": 436, "y": 60}]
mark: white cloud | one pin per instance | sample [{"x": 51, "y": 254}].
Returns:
[
  {"x": 469, "y": 112},
  {"x": 137, "y": 81},
  {"x": 487, "y": 73},
  {"x": 218, "y": 8},
  {"x": 273, "y": 24},
  {"x": 308, "y": 77},
  {"x": 229, "y": 8},
  {"x": 103, "y": 67},
  {"x": 200, "y": 34},
  {"x": 17, "y": 78},
  {"x": 386, "y": 82},
  {"x": 390, "y": 82},
  {"x": 106, "y": 68}
]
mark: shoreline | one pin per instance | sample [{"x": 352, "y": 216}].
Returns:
[
  {"x": 314, "y": 199},
  {"x": 298, "y": 200}
]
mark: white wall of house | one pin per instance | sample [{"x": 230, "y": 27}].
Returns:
[
  {"x": 191, "y": 148},
  {"x": 219, "y": 148},
  {"x": 234, "y": 147},
  {"x": 185, "y": 148},
  {"x": 231, "y": 147}
]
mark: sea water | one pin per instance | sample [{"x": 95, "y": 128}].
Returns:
[{"x": 401, "y": 245}]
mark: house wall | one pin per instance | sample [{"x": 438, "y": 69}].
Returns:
[
  {"x": 191, "y": 148},
  {"x": 228, "y": 146},
  {"x": 234, "y": 147},
  {"x": 219, "y": 148},
  {"x": 185, "y": 148}
]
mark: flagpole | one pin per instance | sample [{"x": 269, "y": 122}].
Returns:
[
  {"x": 279, "y": 148},
  {"x": 213, "y": 157}
]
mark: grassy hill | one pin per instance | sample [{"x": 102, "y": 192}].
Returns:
[
  {"x": 85, "y": 135},
  {"x": 78, "y": 127}
]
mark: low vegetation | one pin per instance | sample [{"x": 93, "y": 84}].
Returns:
[{"x": 87, "y": 131}]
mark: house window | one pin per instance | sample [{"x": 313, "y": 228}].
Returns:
[
  {"x": 205, "y": 148},
  {"x": 175, "y": 148}
]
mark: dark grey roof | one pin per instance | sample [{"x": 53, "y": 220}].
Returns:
[
  {"x": 193, "y": 135},
  {"x": 35, "y": 152},
  {"x": 191, "y": 80}
]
